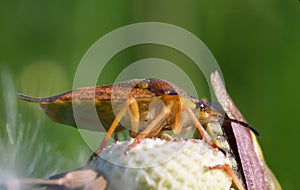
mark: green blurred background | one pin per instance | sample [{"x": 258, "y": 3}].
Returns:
[{"x": 256, "y": 44}]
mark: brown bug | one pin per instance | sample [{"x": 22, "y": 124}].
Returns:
[{"x": 132, "y": 100}]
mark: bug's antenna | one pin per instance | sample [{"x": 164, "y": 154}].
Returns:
[{"x": 242, "y": 123}]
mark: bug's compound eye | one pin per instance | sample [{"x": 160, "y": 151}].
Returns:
[{"x": 202, "y": 107}]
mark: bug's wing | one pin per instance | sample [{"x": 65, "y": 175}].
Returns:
[
  {"x": 84, "y": 107},
  {"x": 256, "y": 171},
  {"x": 60, "y": 108},
  {"x": 57, "y": 109}
]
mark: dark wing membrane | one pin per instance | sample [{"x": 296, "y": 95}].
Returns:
[{"x": 37, "y": 100}]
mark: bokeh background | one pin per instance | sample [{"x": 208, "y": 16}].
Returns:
[{"x": 256, "y": 44}]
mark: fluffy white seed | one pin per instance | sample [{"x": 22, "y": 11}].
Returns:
[{"x": 160, "y": 164}]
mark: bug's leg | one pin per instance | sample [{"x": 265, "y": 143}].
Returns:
[
  {"x": 110, "y": 131},
  {"x": 231, "y": 173},
  {"x": 164, "y": 136},
  {"x": 177, "y": 128},
  {"x": 134, "y": 117},
  {"x": 155, "y": 130},
  {"x": 116, "y": 137},
  {"x": 205, "y": 136},
  {"x": 152, "y": 126}
]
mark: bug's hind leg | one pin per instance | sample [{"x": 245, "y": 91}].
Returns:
[{"x": 109, "y": 133}]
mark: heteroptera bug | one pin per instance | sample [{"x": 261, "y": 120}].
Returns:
[
  {"x": 178, "y": 113},
  {"x": 252, "y": 169},
  {"x": 180, "y": 110}
]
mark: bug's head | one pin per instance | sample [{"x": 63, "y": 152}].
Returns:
[{"x": 208, "y": 112}]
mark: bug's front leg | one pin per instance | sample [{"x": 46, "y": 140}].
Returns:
[{"x": 205, "y": 136}]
